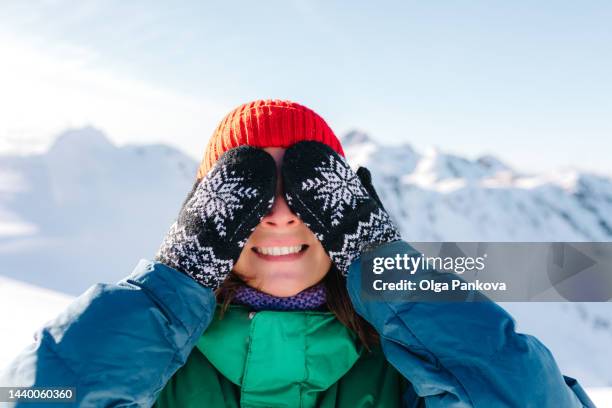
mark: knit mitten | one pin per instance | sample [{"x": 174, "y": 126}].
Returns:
[
  {"x": 340, "y": 206},
  {"x": 219, "y": 214}
]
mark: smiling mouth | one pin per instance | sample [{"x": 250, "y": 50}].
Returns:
[{"x": 280, "y": 253}]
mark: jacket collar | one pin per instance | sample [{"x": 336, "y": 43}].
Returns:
[{"x": 279, "y": 355}]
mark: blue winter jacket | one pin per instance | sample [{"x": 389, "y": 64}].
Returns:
[{"x": 118, "y": 345}]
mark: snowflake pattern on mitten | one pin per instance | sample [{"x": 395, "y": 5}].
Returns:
[
  {"x": 219, "y": 215},
  {"x": 336, "y": 186},
  {"x": 334, "y": 202},
  {"x": 220, "y": 197}
]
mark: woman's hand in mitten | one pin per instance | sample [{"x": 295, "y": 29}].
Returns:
[
  {"x": 219, "y": 214},
  {"x": 340, "y": 206}
]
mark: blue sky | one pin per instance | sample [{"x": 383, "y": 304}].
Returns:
[{"x": 526, "y": 81}]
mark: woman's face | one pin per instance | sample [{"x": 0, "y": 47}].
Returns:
[{"x": 282, "y": 256}]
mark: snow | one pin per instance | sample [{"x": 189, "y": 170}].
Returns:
[
  {"x": 23, "y": 309},
  {"x": 601, "y": 397},
  {"x": 436, "y": 196},
  {"x": 86, "y": 211}
]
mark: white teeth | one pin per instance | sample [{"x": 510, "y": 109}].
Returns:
[{"x": 276, "y": 251}]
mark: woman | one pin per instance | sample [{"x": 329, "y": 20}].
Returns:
[{"x": 254, "y": 299}]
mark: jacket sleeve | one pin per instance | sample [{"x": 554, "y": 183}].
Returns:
[
  {"x": 463, "y": 354},
  {"x": 118, "y": 344}
]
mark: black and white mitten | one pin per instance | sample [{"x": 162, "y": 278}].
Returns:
[
  {"x": 219, "y": 215},
  {"x": 340, "y": 206}
]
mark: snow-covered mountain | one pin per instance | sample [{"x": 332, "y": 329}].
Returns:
[
  {"x": 435, "y": 196},
  {"x": 86, "y": 211}
]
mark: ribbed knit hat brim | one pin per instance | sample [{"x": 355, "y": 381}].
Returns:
[{"x": 267, "y": 123}]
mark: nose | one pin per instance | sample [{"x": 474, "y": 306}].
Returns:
[{"x": 280, "y": 215}]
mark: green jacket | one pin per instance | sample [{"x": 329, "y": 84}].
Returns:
[{"x": 282, "y": 359}]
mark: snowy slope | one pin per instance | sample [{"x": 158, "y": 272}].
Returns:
[
  {"x": 23, "y": 309},
  {"x": 86, "y": 211}
]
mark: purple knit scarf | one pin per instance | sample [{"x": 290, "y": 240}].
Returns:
[{"x": 308, "y": 299}]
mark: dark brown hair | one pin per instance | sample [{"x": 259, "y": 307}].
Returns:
[{"x": 338, "y": 302}]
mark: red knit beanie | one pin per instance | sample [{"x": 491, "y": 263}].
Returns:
[{"x": 267, "y": 123}]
